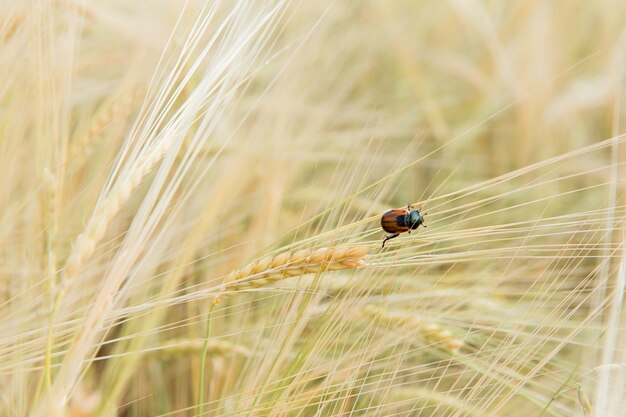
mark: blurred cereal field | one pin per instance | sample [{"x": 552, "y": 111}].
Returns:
[{"x": 191, "y": 201}]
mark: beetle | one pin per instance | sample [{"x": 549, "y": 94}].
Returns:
[{"x": 396, "y": 221}]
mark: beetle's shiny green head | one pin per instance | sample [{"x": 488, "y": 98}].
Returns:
[{"x": 415, "y": 219}]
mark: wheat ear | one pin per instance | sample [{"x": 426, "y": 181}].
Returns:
[
  {"x": 103, "y": 214},
  {"x": 306, "y": 261},
  {"x": 430, "y": 332},
  {"x": 184, "y": 347},
  {"x": 117, "y": 109}
]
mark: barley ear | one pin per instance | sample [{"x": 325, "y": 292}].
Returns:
[
  {"x": 430, "y": 332},
  {"x": 271, "y": 269}
]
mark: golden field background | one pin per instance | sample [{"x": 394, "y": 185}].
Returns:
[{"x": 191, "y": 195}]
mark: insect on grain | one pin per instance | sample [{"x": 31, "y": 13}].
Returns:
[{"x": 398, "y": 221}]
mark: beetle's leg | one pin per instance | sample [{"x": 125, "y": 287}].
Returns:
[
  {"x": 408, "y": 207},
  {"x": 388, "y": 237}
]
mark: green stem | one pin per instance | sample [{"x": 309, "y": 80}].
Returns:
[{"x": 205, "y": 351}]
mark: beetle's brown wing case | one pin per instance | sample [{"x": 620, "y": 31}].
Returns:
[{"x": 392, "y": 221}]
